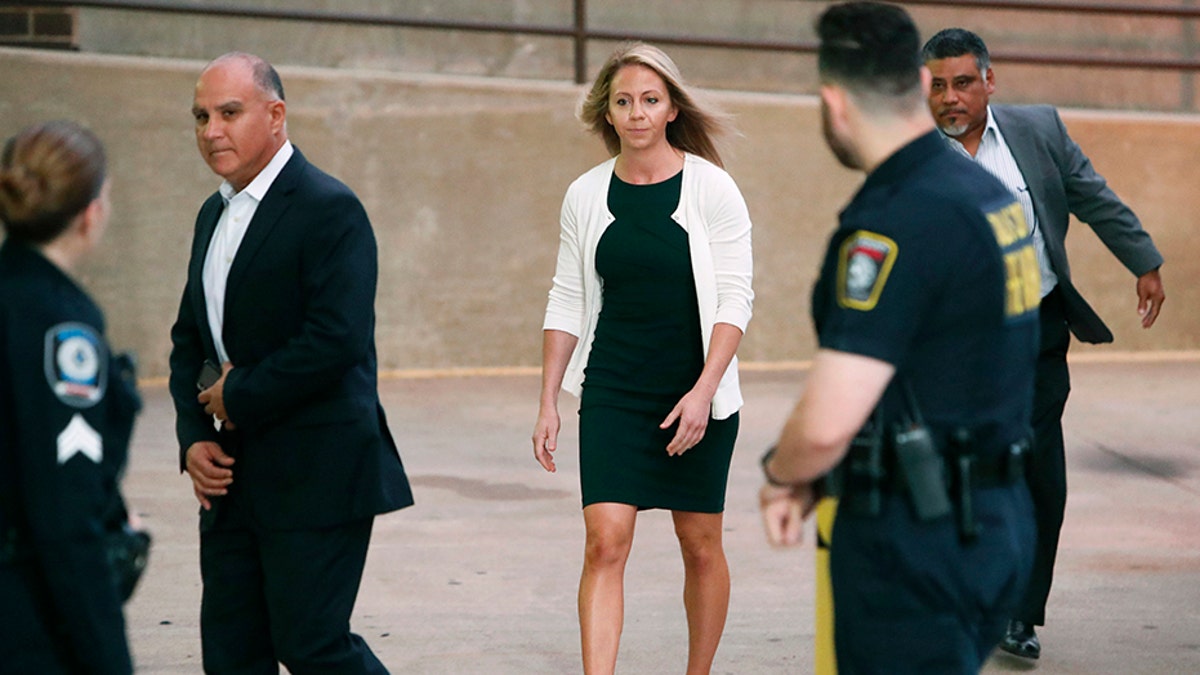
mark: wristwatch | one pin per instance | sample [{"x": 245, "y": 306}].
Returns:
[{"x": 771, "y": 480}]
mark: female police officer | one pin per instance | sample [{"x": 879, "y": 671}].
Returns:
[{"x": 65, "y": 413}]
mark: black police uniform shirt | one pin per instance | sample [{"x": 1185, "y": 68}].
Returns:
[
  {"x": 65, "y": 422},
  {"x": 932, "y": 270}
]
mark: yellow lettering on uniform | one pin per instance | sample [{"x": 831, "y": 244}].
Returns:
[
  {"x": 1015, "y": 294},
  {"x": 1008, "y": 224},
  {"x": 1033, "y": 278},
  {"x": 1023, "y": 283},
  {"x": 998, "y": 228}
]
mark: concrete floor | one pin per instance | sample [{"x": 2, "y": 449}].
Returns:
[{"x": 480, "y": 576}]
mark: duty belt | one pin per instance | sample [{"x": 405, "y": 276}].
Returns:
[
  {"x": 961, "y": 470},
  {"x": 996, "y": 469}
]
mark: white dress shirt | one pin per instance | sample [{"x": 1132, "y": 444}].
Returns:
[
  {"x": 231, "y": 228},
  {"x": 994, "y": 155}
]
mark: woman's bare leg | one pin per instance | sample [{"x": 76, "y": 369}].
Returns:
[
  {"x": 602, "y": 584},
  {"x": 705, "y": 586}
]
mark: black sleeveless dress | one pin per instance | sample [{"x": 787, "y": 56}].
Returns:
[{"x": 646, "y": 354}]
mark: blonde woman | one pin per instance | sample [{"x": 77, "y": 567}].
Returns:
[{"x": 651, "y": 297}]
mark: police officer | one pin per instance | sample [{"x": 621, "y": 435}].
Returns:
[
  {"x": 926, "y": 313},
  {"x": 66, "y": 413}
]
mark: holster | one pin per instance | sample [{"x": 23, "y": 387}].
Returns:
[
  {"x": 936, "y": 475},
  {"x": 861, "y": 474}
]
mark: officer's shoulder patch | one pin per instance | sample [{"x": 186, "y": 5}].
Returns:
[
  {"x": 864, "y": 261},
  {"x": 75, "y": 364}
]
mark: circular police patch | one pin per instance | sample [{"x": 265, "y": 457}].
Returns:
[
  {"x": 75, "y": 364},
  {"x": 864, "y": 261}
]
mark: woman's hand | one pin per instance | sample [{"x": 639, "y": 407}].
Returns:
[
  {"x": 692, "y": 413},
  {"x": 556, "y": 351},
  {"x": 545, "y": 437}
]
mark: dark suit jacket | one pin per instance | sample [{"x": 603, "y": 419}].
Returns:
[
  {"x": 312, "y": 447},
  {"x": 1062, "y": 181}
]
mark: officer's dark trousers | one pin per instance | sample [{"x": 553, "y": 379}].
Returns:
[
  {"x": 910, "y": 597},
  {"x": 29, "y": 642},
  {"x": 1047, "y": 471},
  {"x": 286, "y": 597}
]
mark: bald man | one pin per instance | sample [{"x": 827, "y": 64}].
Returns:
[{"x": 273, "y": 375}]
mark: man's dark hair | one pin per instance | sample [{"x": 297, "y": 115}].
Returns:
[
  {"x": 266, "y": 78},
  {"x": 953, "y": 42},
  {"x": 870, "y": 48}
]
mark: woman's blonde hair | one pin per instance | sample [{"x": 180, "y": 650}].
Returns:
[{"x": 694, "y": 128}]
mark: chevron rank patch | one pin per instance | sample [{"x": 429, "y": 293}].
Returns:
[
  {"x": 79, "y": 438},
  {"x": 75, "y": 364},
  {"x": 864, "y": 262}
]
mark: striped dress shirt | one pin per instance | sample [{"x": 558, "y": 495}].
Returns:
[{"x": 993, "y": 154}]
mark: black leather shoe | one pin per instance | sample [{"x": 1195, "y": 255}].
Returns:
[{"x": 1021, "y": 640}]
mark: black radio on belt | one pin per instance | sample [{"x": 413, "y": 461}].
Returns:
[
  {"x": 920, "y": 463},
  {"x": 922, "y": 467}
]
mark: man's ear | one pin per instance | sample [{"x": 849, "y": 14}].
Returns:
[
  {"x": 989, "y": 82},
  {"x": 927, "y": 81},
  {"x": 836, "y": 102},
  {"x": 278, "y": 111}
]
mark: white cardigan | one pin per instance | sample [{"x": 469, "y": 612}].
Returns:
[{"x": 711, "y": 210}]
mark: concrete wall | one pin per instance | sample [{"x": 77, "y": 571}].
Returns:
[
  {"x": 463, "y": 178},
  {"x": 145, "y": 33}
]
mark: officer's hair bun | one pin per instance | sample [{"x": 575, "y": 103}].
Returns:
[
  {"x": 49, "y": 173},
  {"x": 18, "y": 190}
]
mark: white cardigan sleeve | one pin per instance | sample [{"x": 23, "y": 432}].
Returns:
[
  {"x": 729, "y": 228},
  {"x": 565, "y": 308}
]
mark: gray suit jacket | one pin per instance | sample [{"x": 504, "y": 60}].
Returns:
[{"x": 1062, "y": 181}]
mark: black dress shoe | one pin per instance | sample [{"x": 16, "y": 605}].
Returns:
[{"x": 1021, "y": 640}]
